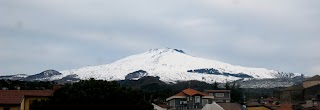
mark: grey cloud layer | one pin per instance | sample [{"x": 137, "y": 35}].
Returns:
[{"x": 36, "y": 35}]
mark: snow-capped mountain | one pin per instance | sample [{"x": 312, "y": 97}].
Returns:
[
  {"x": 43, "y": 76},
  {"x": 14, "y": 77},
  {"x": 171, "y": 65}
]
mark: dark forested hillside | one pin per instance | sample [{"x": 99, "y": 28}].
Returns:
[
  {"x": 95, "y": 94},
  {"x": 153, "y": 89},
  {"x": 25, "y": 85}
]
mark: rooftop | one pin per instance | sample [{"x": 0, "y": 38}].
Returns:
[
  {"x": 314, "y": 78},
  {"x": 294, "y": 88},
  {"x": 190, "y": 92},
  {"x": 15, "y": 96}
]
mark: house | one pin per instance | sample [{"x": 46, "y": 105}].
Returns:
[
  {"x": 315, "y": 80},
  {"x": 21, "y": 99},
  {"x": 292, "y": 94},
  {"x": 231, "y": 106},
  {"x": 312, "y": 88},
  {"x": 219, "y": 95},
  {"x": 312, "y": 97},
  {"x": 189, "y": 99},
  {"x": 305, "y": 96},
  {"x": 312, "y": 93}
]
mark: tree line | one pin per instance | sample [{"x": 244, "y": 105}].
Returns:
[{"x": 139, "y": 94}]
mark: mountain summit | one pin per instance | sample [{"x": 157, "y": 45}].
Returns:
[{"x": 171, "y": 65}]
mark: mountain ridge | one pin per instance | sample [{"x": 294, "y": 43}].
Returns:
[{"x": 170, "y": 65}]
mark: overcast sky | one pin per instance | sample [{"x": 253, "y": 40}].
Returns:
[{"x": 36, "y": 35}]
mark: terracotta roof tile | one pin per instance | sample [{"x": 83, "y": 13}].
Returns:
[
  {"x": 14, "y": 96},
  {"x": 190, "y": 92},
  {"x": 180, "y": 94}
]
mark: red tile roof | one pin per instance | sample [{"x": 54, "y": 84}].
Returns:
[
  {"x": 190, "y": 92},
  {"x": 15, "y": 96}
]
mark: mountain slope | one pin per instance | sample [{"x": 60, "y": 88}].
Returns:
[
  {"x": 171, "y": 65},
  {"x": 14, "y": 77},
  {"x": 43, "y": 76}
]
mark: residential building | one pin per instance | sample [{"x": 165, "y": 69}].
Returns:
[
  {"x": 21, "y": 99},
  {"x": 292, "y": 94},
  {"x": 219, "y": 95},
  {"x": 312, "y": 93},
  {"x": 305, "y": 96},
  {"x": 189, "y": 99},
  {"x": 315, "y": 80}
]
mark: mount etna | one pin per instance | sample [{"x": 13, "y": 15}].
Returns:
[{"x": 170, "y": 65}]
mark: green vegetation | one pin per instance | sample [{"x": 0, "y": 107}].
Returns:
[
  {"x": 90, "y": 94},
  {"x": 25, "y": 85},
  {"x": 160, "y": 90},
  {"x": 95, "y": 94}
]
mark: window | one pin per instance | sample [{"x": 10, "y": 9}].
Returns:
[
  {"x": 197, "y": 99},
  {"x": 219, "y": 100},
  {"x": 210, "y": 94},
  {"x": 189, "y": 98},
  {"x": 183, "y": 102},
  {"x": 6, "y": 108},
  {"x": 219, "y": 94}
]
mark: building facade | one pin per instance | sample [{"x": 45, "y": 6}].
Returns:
[
  {"x": 189, "y": 99},
  {"x": 315, "y": 80},
  {"x": 292, "y": 94},
  {"x": 219, "y": 95},
  {"x": 193, "y": 99},
  {"x": 21, "y": 99}
]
